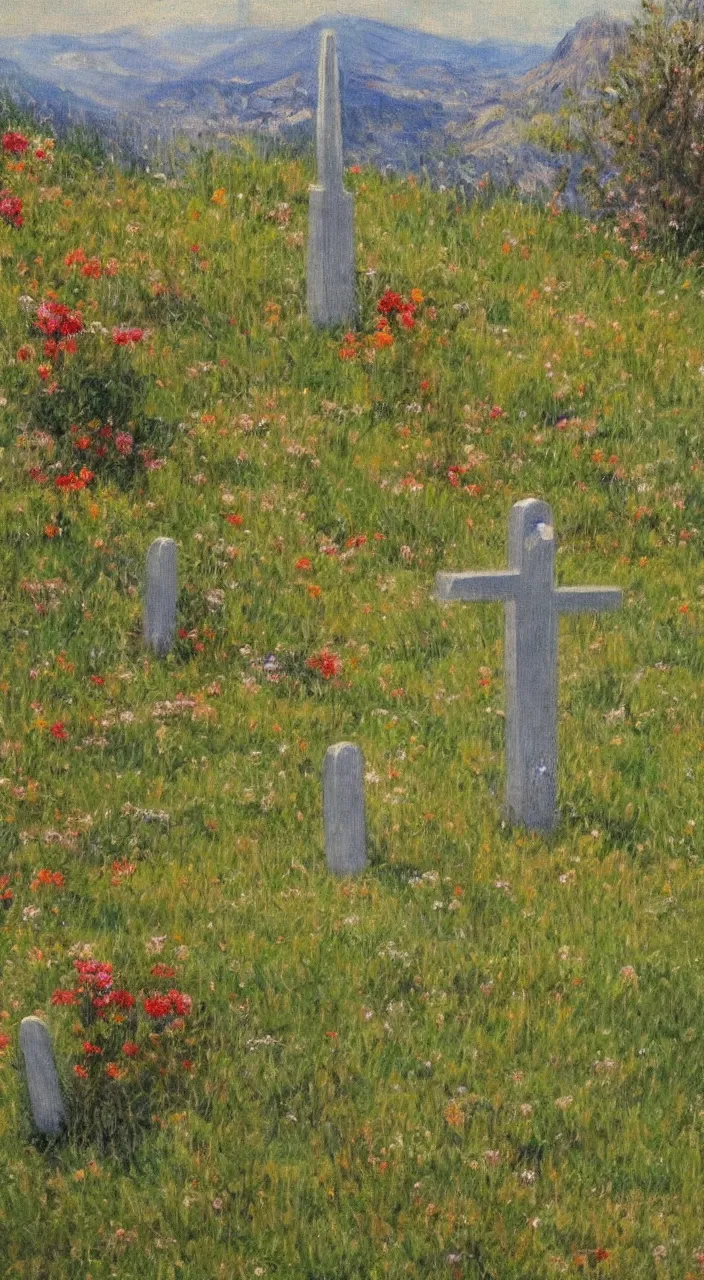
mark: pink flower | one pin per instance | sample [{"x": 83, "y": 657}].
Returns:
[{"x": 124, "y": 443}]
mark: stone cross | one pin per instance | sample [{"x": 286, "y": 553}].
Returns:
[
  {"x": 343, "y": 810},
  {"x": 331, "y": 246},
  {"x": 42, "y": 1080},
  {"x": 533, "y": 606},
  {"x": 160, "y": 596}
]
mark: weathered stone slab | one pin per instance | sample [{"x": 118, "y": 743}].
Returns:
[
  {"x": 161, "y": 593},
  {"x": 343, "y": 810},
  {"x": 42, "y": 1079},
  {"x": 331, "y": 245},
  {"x": 533, "y": 605}
]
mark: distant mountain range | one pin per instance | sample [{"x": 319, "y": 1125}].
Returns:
[{"x": 411, "y": 100}]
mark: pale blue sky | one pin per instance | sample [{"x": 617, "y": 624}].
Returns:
[{"x": 524, "y": 20}]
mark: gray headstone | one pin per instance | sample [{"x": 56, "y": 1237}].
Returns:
[
  {"x": 343, "y": 810},
  {"x": 161, "y": 592},
  {"x": 533, "y": 605},
  {"x": 42, "y": 1080},
  {"x": 331, "y": 245}
]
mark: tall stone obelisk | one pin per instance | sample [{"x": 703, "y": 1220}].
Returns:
[{"x": 331, "y": 246}]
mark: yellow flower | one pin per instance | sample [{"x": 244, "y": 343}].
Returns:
[
  {"x": 417, "y": 296},
  {"x": 219, "y": 196}
]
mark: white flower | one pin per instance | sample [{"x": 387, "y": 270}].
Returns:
[{"x": 30, "y": 913}]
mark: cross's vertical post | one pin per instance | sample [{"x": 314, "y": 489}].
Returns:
[{"x": 530, "y": 658}]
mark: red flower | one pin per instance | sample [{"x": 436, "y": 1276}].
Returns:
[
  {"x": 113, "y": 1071},
  {"x": 74, "y": 482},
  {"x": 126, "y": 337},
  {"x": 92, "y": 269},
  {"x": 96, "y": 973},
  {"x": 14, "y": 143},
  {"x": 45, "y": 876},
  {"x": 234, "y": 520},
  {"x": 91, "y": 1048},
  {"x": 389, "y": 303},
  {"x": 4, "y": 1041},
  {"x": 80, "y": 1072},
  {"x": 162, "y": 971},
  {"x": 187, "y": 1064},
  {"x": 303, "y": 564},
  {"x": 55, "y": 317},
  {"x": 122, "y": 999},
  {"x": 25, "y": 353},
  {"x": 97, "y": 680},
  {"x": 180, "y": 1003},
  {"x": 326, "y": 663},
  {"x": 44, "y": 371},
  {"x": 130, "y": 1048},
  {"x": 601, "y": 1254},
  {"x": 496, "y": 412},
  {"x": 59, "y": 732},
  {"x": 407, "y": 317},
  {"x": 157, "y": 1006},
  {"x": 74, "y": 257},
  {"x": 63, "y": 997}
]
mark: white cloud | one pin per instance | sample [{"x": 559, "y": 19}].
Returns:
[{"x": 523, "y": 20}]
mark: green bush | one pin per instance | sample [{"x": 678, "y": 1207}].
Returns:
[{"x": 644, "y": 132}]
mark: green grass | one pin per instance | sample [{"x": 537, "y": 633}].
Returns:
[{"x": 446, "y": 1068}]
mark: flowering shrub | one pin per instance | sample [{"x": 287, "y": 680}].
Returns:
[
  {"x": 11, "y": 209},
  {"x": 642, "y": 136},
  {"x": 14, "y": 143},
  {"x": 130, "y": 1055}
]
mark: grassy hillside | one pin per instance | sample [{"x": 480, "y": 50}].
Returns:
[{"x": 484, "y": 1058}]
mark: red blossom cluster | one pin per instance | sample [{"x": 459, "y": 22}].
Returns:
[
  {"x": 14, "y": 143},
  {"x": 176, "y": 1002},
  {"x": 100, "y": 439},
  {"x": 45, "y": 876},
  {"x": 6, "y": 895},
  {"x": 11, "y": 209},
  {"x": 393, "y": 304},
  {"x": 92, "y": 268},
  {"x": 96, "y": 983},
  {"x": 55, "y": 318},
  {"x": 74, "y": 483},
  {"x": 126, "y": 337},
  {"x": 455, "y": 472},
  {"x": 328, "y": 664}
]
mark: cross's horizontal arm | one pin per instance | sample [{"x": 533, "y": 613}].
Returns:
[
  {"x": 587, "y": 599},
  {"x": 477, "y": 586}
]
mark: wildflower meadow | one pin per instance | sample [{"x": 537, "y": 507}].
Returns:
[{"x": 481, "y": 1059}]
